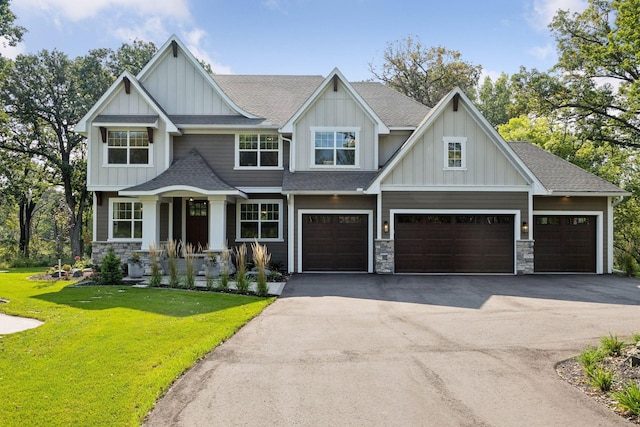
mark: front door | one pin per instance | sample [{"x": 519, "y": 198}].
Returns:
[{"x": 197, "y": 223}]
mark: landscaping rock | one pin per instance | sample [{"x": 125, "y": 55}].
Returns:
[{"x": 77, "y": 273}]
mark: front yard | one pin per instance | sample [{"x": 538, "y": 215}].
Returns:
[{"x": 105, "y": 353}]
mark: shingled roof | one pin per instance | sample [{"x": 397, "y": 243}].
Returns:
[
  {"x": 559, "y": 176},
  {"x": 326, "y": 181},
  {"x": 277, "y": 98},
  {"x": 189, "y": 171}
]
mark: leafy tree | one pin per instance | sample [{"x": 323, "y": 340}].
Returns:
[
  {"x": 494, "y": 99},
  {"x": 425, "y": 74},
  {"x": 595, "y": 82},
  {"x": 9, "y": 31},
  {"x": 48, "y": 93}
]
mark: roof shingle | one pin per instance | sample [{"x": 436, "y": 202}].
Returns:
[{"x": 326, "y": 181}]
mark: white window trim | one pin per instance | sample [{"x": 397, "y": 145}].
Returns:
[
  {"x": 463, "y": 144},
  {"x": 280, "y": 237},
  {"x": 112, "y": 201},
  {"x": 237, "y": 165},
  {"x": 105, "y": 150},
  {"x": 312, "y": 160}
]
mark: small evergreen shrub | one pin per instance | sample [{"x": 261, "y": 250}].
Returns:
[{"x": 111, "y": 270}]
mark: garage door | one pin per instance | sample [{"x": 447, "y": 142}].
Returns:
[
  {"x": 333, "y": 242},
  {"x": 564, "y": 243},
  {"x": 454, "y": 243}
]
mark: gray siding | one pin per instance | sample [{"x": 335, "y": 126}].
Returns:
[
  {"x": 102, "y": 217},
  {"x": 329, "y": 203},
  {"x": 180, "y": 87},
  {"x": 391, "y": 143},
  {"x": 219, "y": 152},
  {"x": 278, "y": 250},
  {"x": 335, "y": 109},
  {"x": 486, "y": 164},
  {"x": 451, "y": 200},
  {"x": 600, "y": 204}
]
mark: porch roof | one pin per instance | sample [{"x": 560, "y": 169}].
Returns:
[
  {"x": 190, "y": 173},
  {"x": 326, "y": 181}
]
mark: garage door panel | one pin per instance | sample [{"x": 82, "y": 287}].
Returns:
[
  {"x": 453, "y": 243},
  {"x": 334, "y": 242},
  {"x": 565, "y": 243}
]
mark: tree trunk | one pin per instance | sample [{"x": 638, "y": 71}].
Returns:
[{"x": 26, "y": 217}]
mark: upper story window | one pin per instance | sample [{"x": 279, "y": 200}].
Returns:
[
  {"x": 335, "y": 147},
  {"x": 455, "y": 153},
  {"x": 258, "y": 151},
  {"x": 126, "y": 219},
  {"x": 128, "y": 147}
]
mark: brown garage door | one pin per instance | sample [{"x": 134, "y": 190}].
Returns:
[
  {"x": 333, "y": 242},
  {"x": 454, "y": 243},
  {"x": 564, "y": 243}
]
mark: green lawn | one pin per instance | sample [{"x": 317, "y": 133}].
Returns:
[{"x": 105, "y": 353}]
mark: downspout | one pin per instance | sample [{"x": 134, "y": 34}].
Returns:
[{"x": 292, "y": 166}]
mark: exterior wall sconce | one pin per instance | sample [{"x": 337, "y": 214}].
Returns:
[
  {"x": 525, "y": 227},
  {"x": 385, "y": 227}
]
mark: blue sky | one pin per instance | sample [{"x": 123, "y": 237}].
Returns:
[{"x": 300, "y": 36}]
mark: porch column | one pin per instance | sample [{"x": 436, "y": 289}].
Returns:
[
  {"x": 217, "y": 223},
  {"x": 150, "y": 221}
]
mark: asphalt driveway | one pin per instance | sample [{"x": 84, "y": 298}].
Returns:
[{"x": 409, "y": 350}]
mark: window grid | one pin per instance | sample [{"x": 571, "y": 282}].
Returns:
[
  {"x": 336, "y": 148},
  {"x": 127, "y": 220},
  {"x": 260, "y": 220},
  {"x": 455, "y": 155},
  {"x": 258, "y": 150},
  {"x": 126, "y": 147}
]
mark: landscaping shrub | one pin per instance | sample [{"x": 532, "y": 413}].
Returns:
[
  {"x": 601, "y": 379},
  {"x": 611, "y": 345},
  {"x": 589, "y": 358},
  {"x": 173, "y": 248},
  {"x": 111, "y": 271},
  {"x": 189, "y": 255},
  {"x": 628, "y": 399},
  {"x": 154, "y": 257},
  {"x": 242, "y": 283},
  {"x": 225, "y": 259},
  {"x": 261, "y": 258}
]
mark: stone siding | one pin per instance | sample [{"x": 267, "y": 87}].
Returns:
[
  {"x": 384, "y": 255},
  {"x": 123, "y": 250},
  {"x": 524, "y": 262}
]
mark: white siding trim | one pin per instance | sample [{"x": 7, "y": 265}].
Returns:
[
  {"x": 367, "y": 212},
  {"x": 599, "y": 230},
  {"x": 280, "y": 237},
  {"x": 462, "y": 140},
  {"x": 312, "y": 151},
  {"x": 113, "y": 200},
  {"x": 290, "y": 232},
  {"x": 94, "y": 219},
  {"x": 609, "y": 235},
  {"x": 514, "y": 212},
  {"x": 491, "y": 188}
]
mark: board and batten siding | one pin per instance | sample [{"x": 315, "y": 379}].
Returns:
[
  {"x": 335, "y": 109},
  {"x": 218, "y": 150},
  {"x": 578, "y": 204},
  {"x": 453, "y": 200},
  {"x": 424, "y": 165},
  {"x": 391, "y": 143},
  {"x": 329, "y": 204},
  {"x": 100, "y": 173},
  {"x": 182, "y": 89}
]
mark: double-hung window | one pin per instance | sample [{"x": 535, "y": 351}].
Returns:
[
  {"x": 258, "y": 151},
  {"x": 126, "y": 219},
  {"x": 335, "y": 147},
  {"x": 455, "y": 153},
  {"x": 259, "y": 219},
  {"x": 128, "y": 147}
]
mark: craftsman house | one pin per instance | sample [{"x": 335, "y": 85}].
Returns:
[{"x": 332, "y": 176}]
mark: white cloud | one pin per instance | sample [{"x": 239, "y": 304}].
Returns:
[
  {"x": 542, "y": 52},
  {"x": 193, "y": 40},
  {"x": 76, "y": 10},
  {"x": 10, "y": 51},
  {"x": 493, "y": 75},
  {"x": 544, "y": 11},
  {"x": 152, "y": 29}
]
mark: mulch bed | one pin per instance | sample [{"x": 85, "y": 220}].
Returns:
[{"x": 571, "y": 371}]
